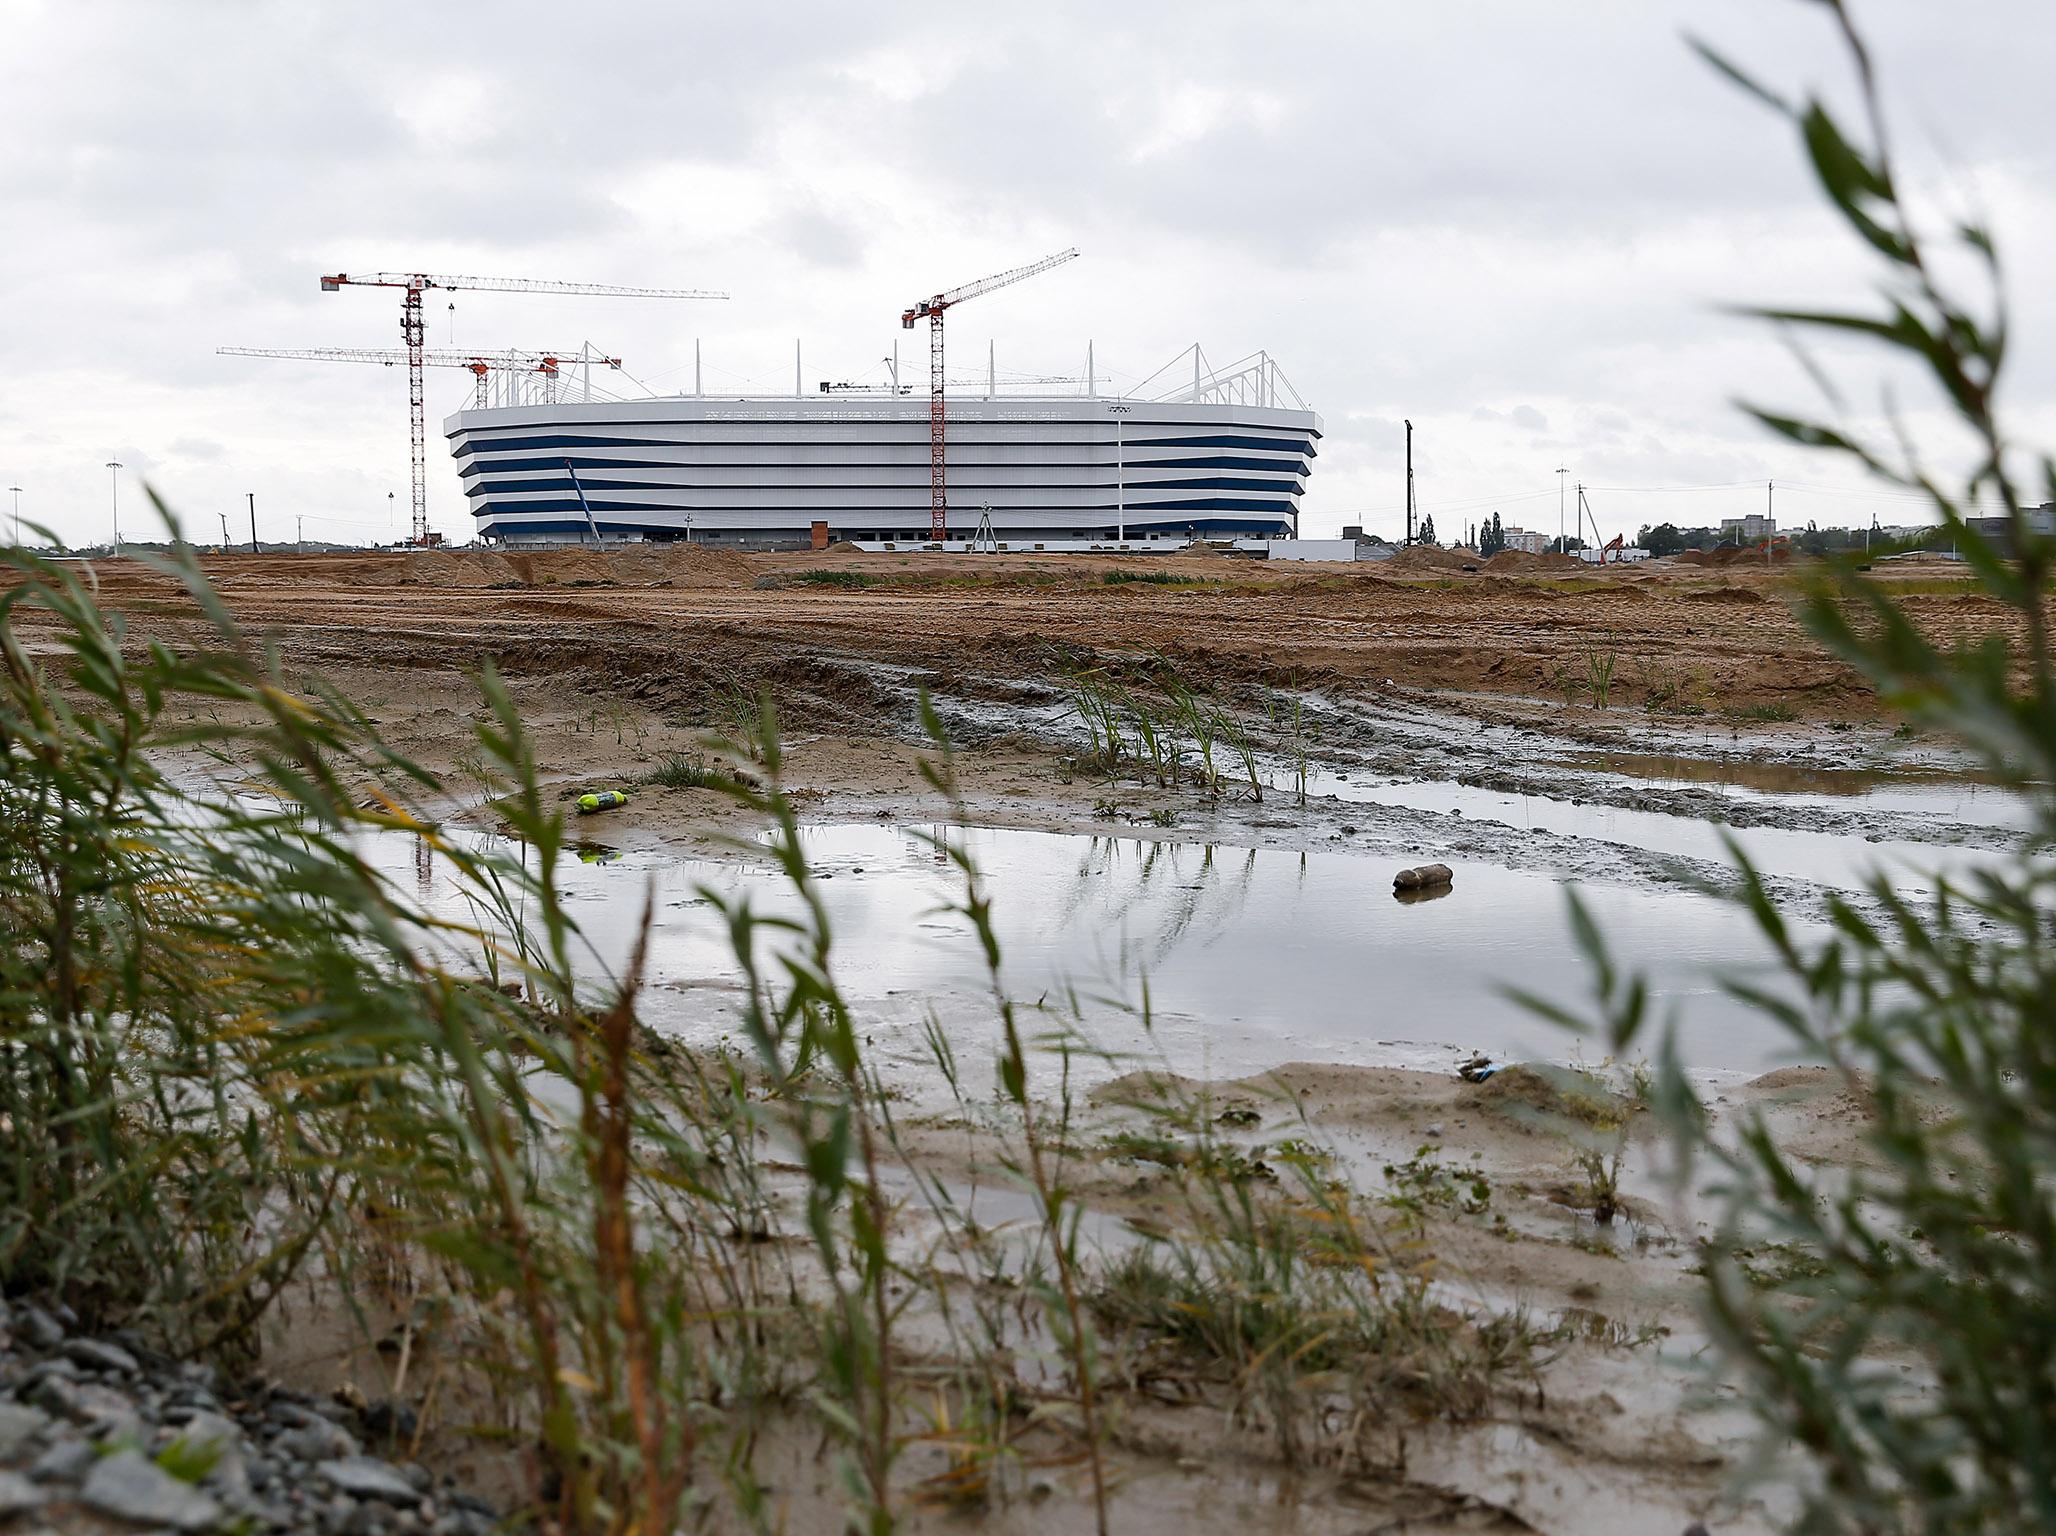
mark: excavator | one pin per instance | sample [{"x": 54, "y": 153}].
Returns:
[{"x": 1611, "y": 547}]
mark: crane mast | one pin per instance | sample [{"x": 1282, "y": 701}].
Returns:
[
  {"x": 414, "y": 335},
  {"x": 938, "y": 418}
]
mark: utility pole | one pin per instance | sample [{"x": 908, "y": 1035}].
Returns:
[
  {"x": 17, "y": 514},
  {"x": 1409, "y": 482},
  {"x": 1561, "y": 547},
  {"x": 114, "y": 491},
  {"x": 253, "y": 521},
  {"x": 1770, "y": 523},
  {"x": 299, "y": 534}
]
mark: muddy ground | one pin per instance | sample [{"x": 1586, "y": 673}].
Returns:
[{"x": 1384, "y": 709}]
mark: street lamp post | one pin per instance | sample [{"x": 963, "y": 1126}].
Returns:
[
  {"x": 1561, "y": 547},
  {"x": 17, "y": 514},
  {"x": 114, "y": 494}
]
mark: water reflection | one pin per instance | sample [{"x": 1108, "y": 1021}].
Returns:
[{"x": 1252, "y": 957}]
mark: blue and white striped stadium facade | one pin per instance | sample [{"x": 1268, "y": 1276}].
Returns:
[{"x": 764, "y": 472}]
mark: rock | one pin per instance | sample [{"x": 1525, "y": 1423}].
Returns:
[
  {"x": 130, "y": 1486},
  {"x": 18, "y": 1495},
  {"x": 105, "y": 1411},
  {"x": 64, "y": 1462},
  {"x": 366, "y": 1477},
  {"x": 19, "y": 1424},
  {"x": 40, "y": 1329},
  {"x": 57, "y": 1397},
  {"x": 318, "y": 1441},
  {"x": 201, "y": 1428},
  {"x": 389, "y": 1419},
  {"x": 95, "y": 1356}
]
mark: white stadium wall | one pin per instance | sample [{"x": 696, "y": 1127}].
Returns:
[{"x": 765, "y": 471}]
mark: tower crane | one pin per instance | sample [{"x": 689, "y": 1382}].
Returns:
[
  {"x": 413, "y": 331},
  {"x": 482, "y": 364},
  {"x": 932, "y": 309}
]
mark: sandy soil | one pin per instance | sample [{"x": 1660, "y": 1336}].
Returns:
[
  {"x": 619, "y": 662},
  {"x": 649, "y": 622}
]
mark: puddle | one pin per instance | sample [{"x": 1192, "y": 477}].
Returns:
[
  {"x": 1253, "y": 957},
  {"x": 1824, "y": 858},
  {"x": 1952, "y": 797}
]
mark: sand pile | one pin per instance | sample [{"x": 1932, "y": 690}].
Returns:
[
  {"x": 1522, "y": 560},
  {"x": 696, "y": 565},
  {"x": 1728, "y": 554},
  {"x": 1425, "y": 557},
  {"x": 444, "y": 568},
  {"x": 1725, "y": 595}
]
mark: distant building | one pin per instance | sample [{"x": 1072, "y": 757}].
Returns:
[
  {"x": 1526, "y": 542},
  {"x": 1752, "y": 529},
  {"x": 1999, "y": 530}
]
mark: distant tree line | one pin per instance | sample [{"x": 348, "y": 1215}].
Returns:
[{"x": 1670, "y": 539}]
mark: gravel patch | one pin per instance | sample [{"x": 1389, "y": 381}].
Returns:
[{"x": 104, "y": 1435}]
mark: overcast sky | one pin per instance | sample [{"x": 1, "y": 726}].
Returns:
[{"x": 1516, "y": 223}]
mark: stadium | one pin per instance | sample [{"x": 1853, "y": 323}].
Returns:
[{"x": 1224, "y": 456}]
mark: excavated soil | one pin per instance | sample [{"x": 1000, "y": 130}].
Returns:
[{"x": 647, "y": 616}]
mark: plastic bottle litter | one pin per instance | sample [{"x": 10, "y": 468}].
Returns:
[{"x": 603, "y": 800}]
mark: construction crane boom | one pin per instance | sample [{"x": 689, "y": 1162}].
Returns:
[
  {"x": 938, "y": 422},
  {"x": 392, "y": 356},
  {"x": 482, "y": 364},
  {"x": 414, "y": 333},
  {"x": 507, "y": 285}
]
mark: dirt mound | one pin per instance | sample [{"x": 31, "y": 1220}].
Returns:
[
  {"x": 697, "y": 565},
  {"x": 1555, "y": 1093},
  {"x": 1425, "y": 557},
  {"x": 845, "y": 547},
  {"x": 1522, "y": 560},
  {"x": 1724, "y": 595},
  {"x": 447, "y": 568},
  {"x": 561, "y": 567},
  {"x": 1730, "y": 554}
]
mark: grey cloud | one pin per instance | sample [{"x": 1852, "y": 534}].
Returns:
[{"x": 1513, "y": 223}]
